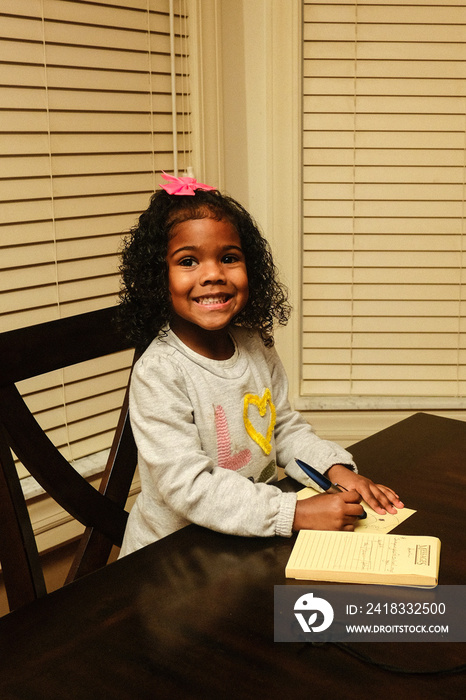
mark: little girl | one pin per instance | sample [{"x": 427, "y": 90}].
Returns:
[{"x": 208, "y": 403}]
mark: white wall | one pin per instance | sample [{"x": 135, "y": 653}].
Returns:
[{"x": 249, "y": 77}]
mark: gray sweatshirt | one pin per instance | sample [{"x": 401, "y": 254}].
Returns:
[{"x": 210, "y": 435}]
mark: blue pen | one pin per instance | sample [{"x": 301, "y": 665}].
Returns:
[{"x": 323, "y": 482}]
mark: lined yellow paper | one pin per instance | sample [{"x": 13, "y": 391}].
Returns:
[{"x": 365, "y": 557}]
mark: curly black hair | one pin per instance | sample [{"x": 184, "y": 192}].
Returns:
[{"x": 145, "y": 300}]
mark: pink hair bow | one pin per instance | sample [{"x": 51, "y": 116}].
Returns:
[{"x": 183, "y": 185}]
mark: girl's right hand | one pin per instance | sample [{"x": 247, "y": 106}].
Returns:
[{"x": 328, "y": 511}]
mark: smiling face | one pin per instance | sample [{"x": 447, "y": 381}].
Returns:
[{"x": 208, "y": 283}]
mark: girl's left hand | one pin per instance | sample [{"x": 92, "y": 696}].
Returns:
[{"x": 380, "y": 498}]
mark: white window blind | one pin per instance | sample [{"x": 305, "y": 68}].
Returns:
[
  {"x": 87, "y": 95},
  {"x": 384, "y": 123}
]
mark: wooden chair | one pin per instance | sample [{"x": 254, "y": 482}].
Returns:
[{"x": 29, "y": 352}]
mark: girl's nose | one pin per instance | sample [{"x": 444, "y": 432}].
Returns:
[{"x": 212, "y": 273}]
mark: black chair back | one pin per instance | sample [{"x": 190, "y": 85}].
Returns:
[{"x": 26, "y": 353}]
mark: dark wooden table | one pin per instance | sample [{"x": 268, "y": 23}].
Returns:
[{"x": 191, "y": 616}]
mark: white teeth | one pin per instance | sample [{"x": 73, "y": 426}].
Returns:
[{"x": 211, "y": 300}]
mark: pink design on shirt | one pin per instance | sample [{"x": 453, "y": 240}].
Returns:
[{"x": 226, "y": 459}]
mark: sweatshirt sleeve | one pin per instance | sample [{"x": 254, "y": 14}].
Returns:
[
  {"x": 173, "y": 463},
  {"x": 295, "y": 437}
]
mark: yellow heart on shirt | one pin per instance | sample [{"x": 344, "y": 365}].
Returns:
[{"x": 252, "y": 399}]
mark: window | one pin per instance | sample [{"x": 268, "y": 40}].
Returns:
[
  {"x": 383, "y": 189},
  {"x": 94, "y": 104}
]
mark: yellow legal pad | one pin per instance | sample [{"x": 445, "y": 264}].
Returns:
[{"x": 352, "y": 557}]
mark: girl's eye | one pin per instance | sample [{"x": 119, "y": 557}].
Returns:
[
  {"x": 228, "y": 259},
  {"x": 187, "y": 262}
]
